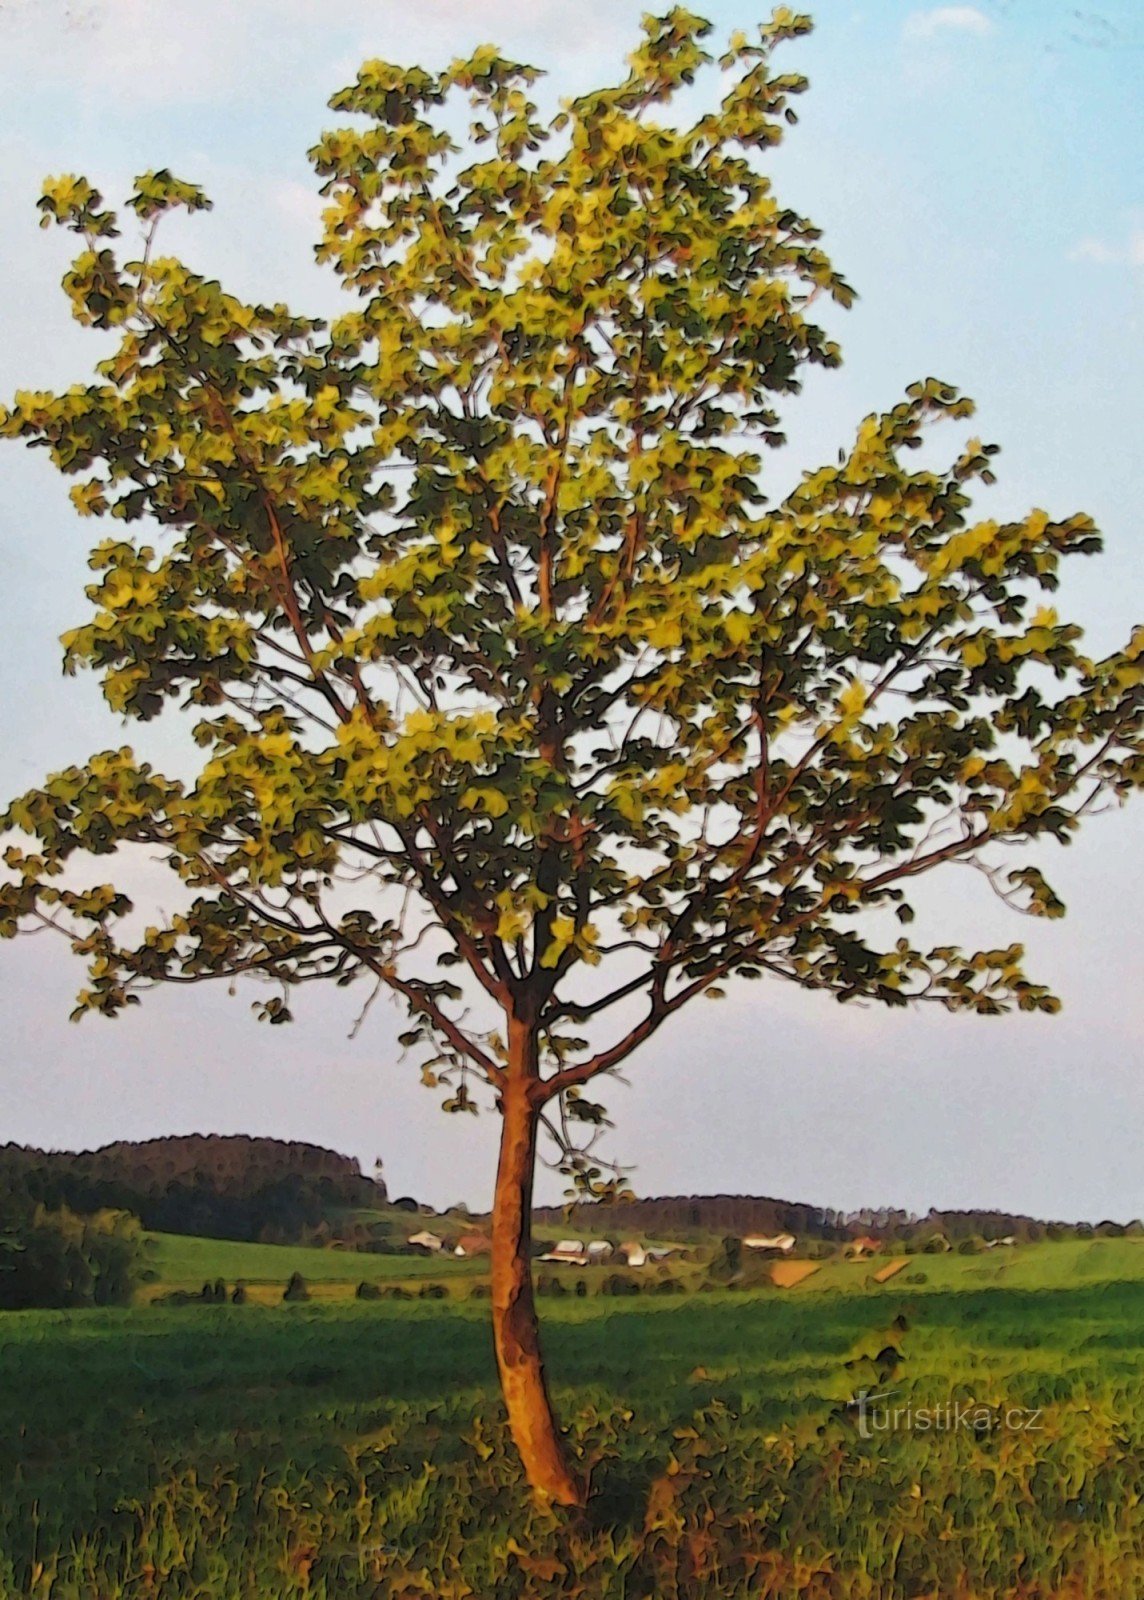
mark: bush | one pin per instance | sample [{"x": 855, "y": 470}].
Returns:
[
  {"x": 178, "y": 1297},
  {"x": 238, "y": 1298},
  {"x": 296, "y": 1289},
  {"x": 617, "y": 1284},
  {"x": 367, "y": 1291},
  {"x": 433, "y": 1291},
  {"x": 728, "y": 1260}
]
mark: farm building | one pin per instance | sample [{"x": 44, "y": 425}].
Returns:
[
  {"x": 426, "y": 1241},
  {"x": 865, "y": 1245},
  {"x": 473, "y": 1244},
  {"x": 570, "y": 1251},
  {"x": 777, "y": 1244}
]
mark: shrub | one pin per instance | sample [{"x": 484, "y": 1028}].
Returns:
[
  {"x": 728, "y": 1260},
  {"x": 296, "y": 1289},
  {"x": 368, "y": 1291},
  {"x": 178, "y": 1297},
  {"x": 238, "y": 1298}
]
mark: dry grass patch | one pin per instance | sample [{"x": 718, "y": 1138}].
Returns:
[
  {"x": 789, "y": 1274},
  {"x": 884, "y": 1274}
]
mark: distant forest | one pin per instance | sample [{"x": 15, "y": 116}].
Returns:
[
  {"x": 278, "y": 1192},
  {"x": 677, "y": 1216},
  {"x": 221, "y": 1187}
]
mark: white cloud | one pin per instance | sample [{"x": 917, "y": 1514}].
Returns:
[
  {"x": 1094, "y": 250},
  {"x": 200, "y": 52},
  {"x": 947, "y": 19},
  {"x": 1100, "y": 253}
]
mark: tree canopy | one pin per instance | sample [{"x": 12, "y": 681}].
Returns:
[{"x": 506, "y": 662}]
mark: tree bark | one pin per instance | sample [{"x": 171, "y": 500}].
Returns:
[{"x": 515, "y": 1331}]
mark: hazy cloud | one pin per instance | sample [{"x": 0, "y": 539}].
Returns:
[
  {"x": 947, "y": 19},
  {"x": 1099, "y": 252},
  {"x": 196, "y": 52}
]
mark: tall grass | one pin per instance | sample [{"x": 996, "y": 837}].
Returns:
[{"x": 358, "y": 1450}]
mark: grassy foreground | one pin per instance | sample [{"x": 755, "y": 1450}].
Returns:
[{"x": 347, "y": 1449}]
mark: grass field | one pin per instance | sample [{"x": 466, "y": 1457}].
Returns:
[
  {"x": 350, "y": 1449},
  {"x": 183, "y": 1262}
]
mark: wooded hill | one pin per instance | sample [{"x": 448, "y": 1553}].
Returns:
[
  {"x": 692, "y": 1216},
  {"x": 219, "y": 1186},
  {"x": 276, "y": 1191}
]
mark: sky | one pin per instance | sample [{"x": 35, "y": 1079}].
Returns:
[{"x": 977, "y": 171}]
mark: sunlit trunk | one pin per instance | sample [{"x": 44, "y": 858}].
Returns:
[{"x": 517, "y": 1338}]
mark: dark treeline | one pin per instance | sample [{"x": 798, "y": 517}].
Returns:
[
  {"x": 274, "y": 1191},
  {"x": 217, "y": 1186},
  {"x": 733, "y": 1214}
]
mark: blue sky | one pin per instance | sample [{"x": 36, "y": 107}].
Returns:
[{"x": 977, "y": 172}]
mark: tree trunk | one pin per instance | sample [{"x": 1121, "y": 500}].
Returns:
[{"x": 515, "y": 1331}]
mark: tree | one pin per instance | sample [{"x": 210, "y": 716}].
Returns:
[
  {"x": 296, "y": 1289},
  {"x": 517, "y": 696},
  {"x": 60, "y": 1259}
]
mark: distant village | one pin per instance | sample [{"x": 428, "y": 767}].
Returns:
[
  {"x": 637, "y": 1253},
  {"x": 569, "y": 1252}
]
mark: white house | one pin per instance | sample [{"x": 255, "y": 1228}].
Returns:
[
  {"x": 782, "y": 1242},
  {"x": 570, "y": 1251},
  {"x": 634, "y": 1253},
  {"x": 426, "y": 1241}
]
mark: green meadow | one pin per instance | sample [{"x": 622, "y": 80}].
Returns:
[
  {"x": 344, "y": 1448},
  {"x": 185, "y": 1262}
]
